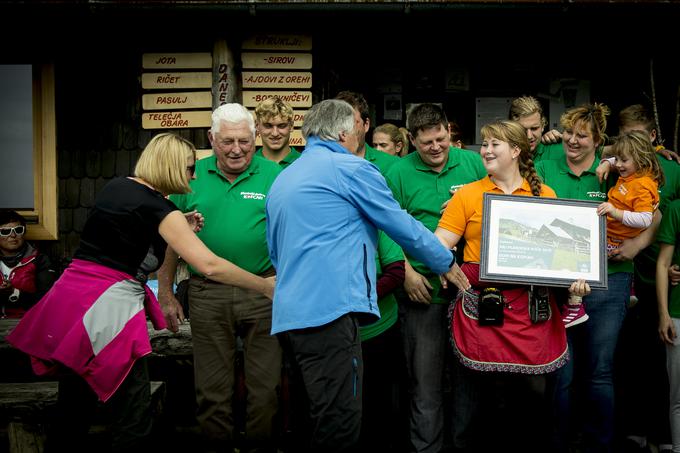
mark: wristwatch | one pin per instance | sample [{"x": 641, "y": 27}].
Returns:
[{"x": 453, "y": 260}]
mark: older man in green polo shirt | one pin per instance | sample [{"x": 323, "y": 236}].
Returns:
[
  {"x": 230, "y": 190},
  {"x": 422, "y": 182}
]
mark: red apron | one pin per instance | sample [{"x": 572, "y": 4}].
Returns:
[{"x": 519, "y": 345}]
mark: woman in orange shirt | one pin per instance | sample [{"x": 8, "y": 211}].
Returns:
[{"x": 518, "y": 354}]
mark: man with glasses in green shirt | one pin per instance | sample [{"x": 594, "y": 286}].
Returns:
[{"x": 230, "y": 191}]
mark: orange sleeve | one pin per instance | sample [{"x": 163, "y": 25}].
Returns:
[
  {"x": 454, "y": 218},
  {"x": 645, "y": 195}
]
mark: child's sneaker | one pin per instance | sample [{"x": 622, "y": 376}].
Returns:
[
  {"x": 633, "y": 297},
  {"x": 573, "y": 315}
]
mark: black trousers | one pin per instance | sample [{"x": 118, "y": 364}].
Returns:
[
  {"x": 129, "y": 410},
  {"x": 328, "y": 360}
]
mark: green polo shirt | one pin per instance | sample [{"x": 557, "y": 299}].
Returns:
[
  {"x": 286, "y": 161},
  {"x": 668, "y": 233},
  {"x": 671, "y": 188},
  {"x": 552, "y": 151},
  {"x": 557, "y": 175},
  {"x": 388, "y": 253},
  {"x": 566, "y": 184},
  {"x": 645, "y": 261},
  {"x": 422, "y": 191},
  {"x": 234, "y": 212},
  {"x": 381, "y": 160}
]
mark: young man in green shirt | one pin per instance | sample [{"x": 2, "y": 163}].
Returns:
[
  {"x": 422, "y": 182},
  {"x": 274, "y": 123},
  {"x": 528, "y": 112},
  {"x": 381, "y": 367},
  {"x": 641, "y": 352},
  {"x": 669, "y": 319},
  {"x": 363, "y": 123}
]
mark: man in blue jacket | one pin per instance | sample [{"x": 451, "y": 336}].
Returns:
[{"x": 323, "y": 214}]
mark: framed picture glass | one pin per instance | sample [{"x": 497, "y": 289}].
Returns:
[{"x": 542, "y": 241}]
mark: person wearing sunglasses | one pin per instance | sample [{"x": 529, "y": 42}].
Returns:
[{"x": 25, "y": 274}]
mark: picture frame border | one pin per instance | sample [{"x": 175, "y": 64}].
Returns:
[{"x": 486, "y": 275}]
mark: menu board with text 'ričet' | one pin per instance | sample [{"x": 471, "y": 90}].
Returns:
[{"x": 178, "y": 90}]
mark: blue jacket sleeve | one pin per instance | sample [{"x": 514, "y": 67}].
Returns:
[{"x": 369, "y": 193}]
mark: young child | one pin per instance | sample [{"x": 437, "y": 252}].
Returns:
[
  {"x": 635, "y": 196},
  {"x": 632, "y": 200}
]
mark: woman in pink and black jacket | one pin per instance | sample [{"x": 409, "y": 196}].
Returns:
[{"x": 91, "y": 327}]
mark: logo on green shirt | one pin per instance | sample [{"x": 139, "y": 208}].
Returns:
[
  {"x": 252, "y": 196},
  {"x": 596, "y": 194}
]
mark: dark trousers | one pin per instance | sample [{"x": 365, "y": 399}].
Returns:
[
  {"x": 500, "y": 411},
  {"x": 425, "y": 343},
  {"x": 329, "y": 361},
  {"x": 383, "y": 430},
  {"x": 129, "y": 409},
  {"x": 641, "y": 376}
]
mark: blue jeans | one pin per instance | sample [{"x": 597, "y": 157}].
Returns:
[
  {"x": 592, "y": 346},
  {"x": 425, "y": 339}
]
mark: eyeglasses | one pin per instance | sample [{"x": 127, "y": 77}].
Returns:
[
  {"x": 18, "y": 230},
  {"x": 192, "y": 169}
]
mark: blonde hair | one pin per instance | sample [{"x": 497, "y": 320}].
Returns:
[
  {"x": 163, "y": 163},
  {"x": 269, "y": 108},
  {"x": 592, "y": 115},
  {"x": 524, "y": 106},
  {"x": 514, "y": 133},
  {"x": 639, "y": 147},
  {"x": 636, "y": 114},
  {"x": 406, "y": 141},
  {"x": 396, "y": 135}
]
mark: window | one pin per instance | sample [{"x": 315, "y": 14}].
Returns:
[{"x": 42, "y": 218}]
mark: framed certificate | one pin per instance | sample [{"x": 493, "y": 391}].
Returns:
[{"x": 542, "y": 241}]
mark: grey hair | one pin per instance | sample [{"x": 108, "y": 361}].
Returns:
[
  {"x": 328, "y": 119},
  {"x": 232, "y": 113}
]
